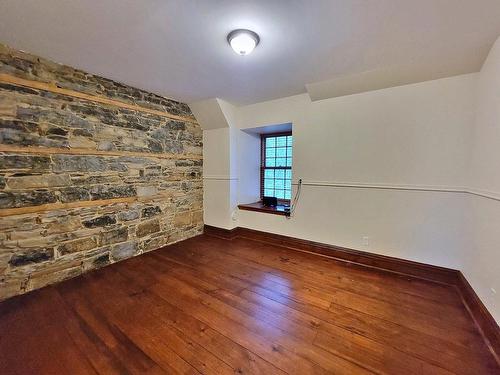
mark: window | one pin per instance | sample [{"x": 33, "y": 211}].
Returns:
[{"x": 276, "y": 166}]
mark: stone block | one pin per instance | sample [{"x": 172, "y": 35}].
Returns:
[
  {"x": 114, "y": 236},
  {"x": 151, "y": 211},
  {"x": 123, "y": 250},
  {"x": 81, "y": 244},
  {"x": 30, "y": 162},
  {"x": 182, "y": 219},
  {"x": 148, "y": 227},
  {"x": 146, "y": 191},
  {"x": 198, "y": 217},
  {"x": 128, "y": 215},
  {"x": 26, "y": 198},
  {"x": 100, "y": 261},
  {"x": 38, "y": 181},
  {"x": 63, "y": 225},
  {"x": 100, "y": 221},
  {"x": 31, "y": 256},
  {"x": 73, "y": 194},
  {"x": 112, "y": 191}
]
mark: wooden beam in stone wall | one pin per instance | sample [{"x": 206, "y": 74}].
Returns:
[
  {"x": 86, "y": 151},
  {"x": 58, "y": 206},
  {"x": 51, "y": 87},
  {"x": 78, "y": 204}
]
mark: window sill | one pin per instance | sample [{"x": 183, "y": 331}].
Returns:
[{"x": 259, "y": 207}]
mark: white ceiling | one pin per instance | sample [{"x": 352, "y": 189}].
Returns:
[{"x": 178, "y": 48}]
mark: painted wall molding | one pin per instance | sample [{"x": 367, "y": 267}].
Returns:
[
  {"x": 220, "y": 178},
  {"x": 426, "y": 188}
]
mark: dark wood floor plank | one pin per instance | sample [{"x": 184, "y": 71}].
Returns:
[
  {"x": 339, "y": 277},
  {"x": 38, "y": 343},
  {"x": 216, "y": 306},
  {"x": 283, "y": 316},
  {"x": 423, "y": 345},
  {"x": 325, "y": 267},
  {"x": 310, "y": 286},
  {"x": 93, "y": 312},
  {"x": 433, "y": 320},
  {"x": 239, "y": 358},
  {"x": 292, "y": 353},
  {"x": 432, "y": 323},
  {"x": 150, "y": 350},
  {"x": 349, "y": 345}
]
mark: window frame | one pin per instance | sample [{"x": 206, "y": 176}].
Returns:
[{"x": 263, "y": 167}]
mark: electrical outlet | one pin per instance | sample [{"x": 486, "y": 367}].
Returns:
[
  {"x": 234, "y": 215},
  {"x": 365, "y": 241}
]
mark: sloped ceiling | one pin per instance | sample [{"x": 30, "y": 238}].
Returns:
[{"x": 178, "y": 48}]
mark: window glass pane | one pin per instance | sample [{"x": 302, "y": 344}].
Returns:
[
  {"x": 279, "y": 173},
  {"x": 281, "y": 162},
  {"x": 269, "y": 173},
  {"x": 280, "y": 152},
  {"x": 270, "y": 162},
  {"x": 280, "y": 141},
  {"x": 268, "y": 183},
  {"x": 270, "y": 152}
]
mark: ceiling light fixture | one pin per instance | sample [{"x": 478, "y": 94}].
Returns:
[{"x": 243, "y": 41}]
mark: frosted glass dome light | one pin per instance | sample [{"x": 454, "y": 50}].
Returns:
[{"x": 243, "y": 41}]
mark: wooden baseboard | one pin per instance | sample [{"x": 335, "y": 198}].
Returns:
[
  {"x": 227, "y": 234},
  {"x": 484, "y": 320},
  {"x": 454, "y": 278},
  {"x": 386, "y": 263}
]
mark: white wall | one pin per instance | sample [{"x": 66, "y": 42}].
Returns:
[
  {"x": 481, "y": 264},
  {"x": 388, "y": 172},
  {"x": 411, "y": 136},
  {"x": 217, "y": 178}
]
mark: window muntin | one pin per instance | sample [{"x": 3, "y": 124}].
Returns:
[{"x": 276, "y": 166}]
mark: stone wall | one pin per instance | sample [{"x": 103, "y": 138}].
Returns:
[{"x": 91, "y": 172}]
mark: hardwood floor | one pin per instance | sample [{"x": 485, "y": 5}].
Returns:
[{"x": 216, "y": 306}]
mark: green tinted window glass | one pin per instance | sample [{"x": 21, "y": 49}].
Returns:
[
  {"x": 269, "y": 192},
  {"x": 281, "y": 141},
  {"x": 281, "y": 162},
  {"x": 277, "y": 172},
  {"x": 280, "y": 194},
  {"x": 270, "y": 152},
  {"x": 269, "y": 183},
  {"x": 280, "y": 152}
]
